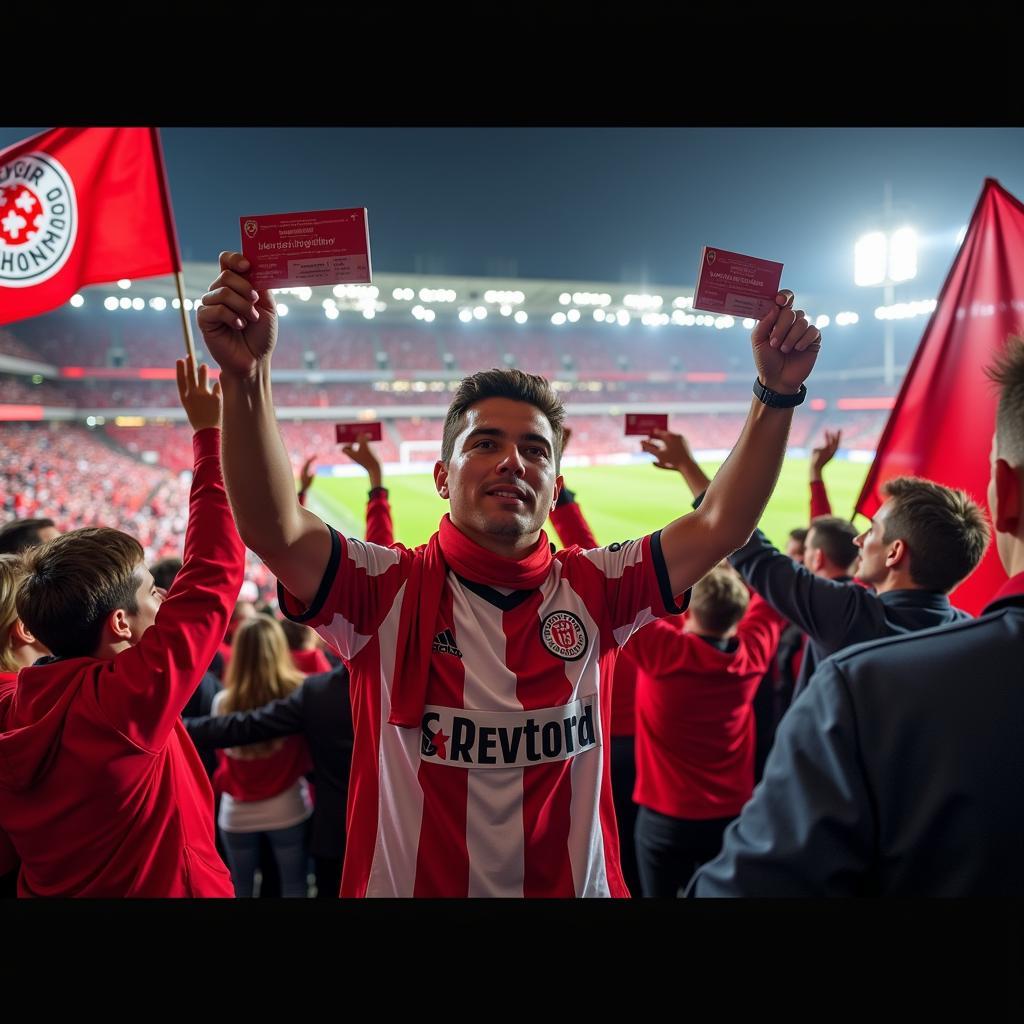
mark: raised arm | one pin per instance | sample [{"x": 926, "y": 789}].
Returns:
[
  {"x": 567, "y": 517},
  {"x": 672, "y": 451},
  {"x": 820, "y": 458},
  {"x": 785, "y": 347},
  {"x": 239, "y": 327},
  {"x": 282, "y": 717},
  {"x": 379, "y": 528}
]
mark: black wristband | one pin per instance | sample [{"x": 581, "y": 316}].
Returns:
[
  {"x": 774, "y": 400},
  {"x": 374, "y": 491}
]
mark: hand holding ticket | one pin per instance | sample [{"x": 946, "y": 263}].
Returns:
[
  {"x": 321, "y": 247},
  {"x": 646, "y": 423},
  {"x": 737, "y": 285},
  {"x": 348, "y": 433}
]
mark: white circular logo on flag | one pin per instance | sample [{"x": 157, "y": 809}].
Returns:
[
  {"x": 564, "y": 636},
  {"x": 250, "y": 228},
  {"x": 38, "y": 219}
]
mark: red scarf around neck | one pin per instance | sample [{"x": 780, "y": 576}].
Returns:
[{"x": 449, "y": 548}]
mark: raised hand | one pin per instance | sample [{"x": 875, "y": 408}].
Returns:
[
  {"x": 239, "y": 324},
  {"x": 785, "y": 346},
  {"x": 202, "y": 404},
  {"x": 362, "y": 454},
  {"x": 308, "y": 473},
  {"x": 821, "y": 457},
  {"x": 670, "y": 451}
]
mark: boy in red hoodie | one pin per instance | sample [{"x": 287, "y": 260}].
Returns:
[{"x": 101, "y": 790}]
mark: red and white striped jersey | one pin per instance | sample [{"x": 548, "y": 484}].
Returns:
[{"x": 505, "y": 790}]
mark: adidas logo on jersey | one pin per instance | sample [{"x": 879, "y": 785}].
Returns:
[
  {"x": 507, "y": 739},
  {"x": 444, "y": 643}
]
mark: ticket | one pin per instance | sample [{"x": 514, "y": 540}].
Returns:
[
  {"x": 348, "y": 433},
  {"x": 646, "y": 422},
  {"x": 729, "y": 282},
  {"x": 322, "y": 247}
]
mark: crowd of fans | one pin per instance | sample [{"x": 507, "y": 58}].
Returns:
[{"x": 751, "y": 679}]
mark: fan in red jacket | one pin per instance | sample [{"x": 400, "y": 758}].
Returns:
[
  {"x": 695, "y": 734},
  {"x": 18, "y": 649},
  {"x": 101, "y": 791}
]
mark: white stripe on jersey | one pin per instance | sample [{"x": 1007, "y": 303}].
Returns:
[
  {"x": 614, "y": 563},
  {"x": 623, "y": 633},
  {"x": 586, "y": 839},
  {"x": 372, "y": 558},
  {"x": 494, "y": 816},
  {"x": 400, "y": 799}
]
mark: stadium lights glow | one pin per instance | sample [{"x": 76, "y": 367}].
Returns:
[
  {"x": 356, "y": 291},
  {"x": 961, "y": 235},
  {"x": 403, "y": 294},
  {"x": 846, "y": 318},
  {"x": 820, "y": 322},
  {"x": 598, "y": 315},
  {"x": 591, "y": 298},
  {"x": 465, "y": 315},
  {"x": 124, "y": 302},
  {"x": 520, "y": 316},
  {"x": 678, "y": 317},
  {"x": 480, "y": 312},
  {"x": 505, "y": 298},
  {"x": 505, "y": 309},
  {"x": 722, "y": 322},
  {"x": 558, "y": 319},
  {"x": 622, "y": 318},
  {"x": 905, "y": 310},
  {"x": 903, "y": 254},
  {"x": 282, "y": 309},
  {"x": 369, "y": 312},
  {"x": 428, "y": 315},
  {"x": 689, "y": 320},
  {"x": 124, "y": 283},
  {"x": 189, "y": 304},
  {"x": 749, "y": 324},
  {"x": 138, "y": 302},
  {"x": 437, "y": 295},
  {"x": 654, "y": 319},
  {"x": 76, "y": 300},
  {"x": 159, "y": 303},
  {"x": 417, "y": 311},
  {"x": 573, "y": 315},
  {"x": 642, "y": 301},
  {"x": 304, "y": 293},
  {"x": 682, "y": 301},
  {"x": 869, "y": 259},
  {"x": 565, "y": 298},
  {"x": 110, "y": 302},
  {"x": 329, "y": 304},
  {"x": 331, "y": 312},
  {"x": 175, "y": 303}
]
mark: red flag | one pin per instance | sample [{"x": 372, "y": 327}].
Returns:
[
  {"x": 81, "y": 206},
  {"x": 941, "y": 426}
]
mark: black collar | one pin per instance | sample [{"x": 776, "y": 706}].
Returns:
[{"x": 506, "y": 602}]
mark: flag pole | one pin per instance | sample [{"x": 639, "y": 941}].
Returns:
[{"x": 172, "y": 241}]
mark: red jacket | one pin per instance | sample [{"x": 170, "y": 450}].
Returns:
[
  {"x": 695, "y": 733},
  {"x": 101, "y": 789},
  {"x": 259, "y": 778},
  {"x": 311, "y": 661},
  {"x": 8, "y": 858}
]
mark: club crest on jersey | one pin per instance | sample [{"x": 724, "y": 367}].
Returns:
[
  {"x": 564, "y": 635},
  {"x": 468, "y": 738},
  {"x": 38, "y": 219}
]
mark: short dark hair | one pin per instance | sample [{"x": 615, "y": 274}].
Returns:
[
  {"x": 834, "y": 538},
  {"x": 719, "y": 600},
  {"x": 799, "y": 535},
  {"x": 21, "y": 534},
  {"x": 504, "y": 383},
  {"x": 74, "y": 582},
  {"x": 1008, "y": 372},
  {"x": 945, "y": 531},
  {"x": 165, "y": 570}
]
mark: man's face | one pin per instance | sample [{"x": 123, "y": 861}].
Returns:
[
  {"x": 795, "y": 549},
  {"x": 501, "y": 479},
  {"x": 812, "y": 555},
  {"x": 148, "y": 598},
  {"x": 872, "y": 568}
]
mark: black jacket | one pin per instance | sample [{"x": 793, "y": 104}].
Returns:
[
  {"x": 898, "y": 772},
  {"x": 320, "y": 709},
  {"x": 201, "y": 703},
  {"x": 834, "y": 614}
]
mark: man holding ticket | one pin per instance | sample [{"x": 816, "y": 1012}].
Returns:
[{"x": 480, "y": 765}]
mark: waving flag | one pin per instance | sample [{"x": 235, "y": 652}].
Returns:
[
  {"x": 81, "y": 206},
  {"x": 941, "y": 426}
]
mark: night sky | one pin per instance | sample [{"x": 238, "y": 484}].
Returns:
[{"x": 601, "y": 204}]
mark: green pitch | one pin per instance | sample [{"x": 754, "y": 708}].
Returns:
[{"x": 620, "y": 502}]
